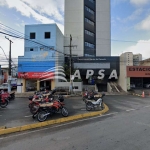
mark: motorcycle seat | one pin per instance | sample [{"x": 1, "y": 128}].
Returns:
[
  {"x": 46, "y": 105},
  {"x": 91, "y": 100}
]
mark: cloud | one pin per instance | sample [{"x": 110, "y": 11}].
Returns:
[
  {"x": 135, "y": 15},
  {"x": 142, "y": 47},
  {"x": 144, "y": 24},
  {"x": 139, "y": 2},
  {"x": 54, "y": 8},
  {"x": 45, "y": 11}
]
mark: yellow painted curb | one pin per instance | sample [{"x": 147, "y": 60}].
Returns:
[
  {"x": 51, "y": 122},
  {"x": 2, "y": 127}
]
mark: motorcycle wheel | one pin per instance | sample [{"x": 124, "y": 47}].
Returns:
[
  {"x": 3, "y": 105},
  {"x": 83, "y": 99},
  {"x": 41, "y": 116},
  {"x": 89, "y": 106},
  {"x": 33, "y": 108},
  {"x": 64, "y": 112},
  {"x": 13, "y": 97}
]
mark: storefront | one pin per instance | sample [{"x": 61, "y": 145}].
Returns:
[
  {"x": 96, "y": 70},
  {"x": 138, "y": 77},
  {"x": 32, "y": 81}
]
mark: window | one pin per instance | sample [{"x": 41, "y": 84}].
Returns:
[
  {"x": 89, "y": 21},
  {"x": 47, "y": 35},
  {"x": 89, "y": 33},
  {"x": 89, "y": 45},
  {"x": 89, "y": 10},
  {"x": 31, "y": 49},
  {"x": 92, "y": 1},
  {"x": 32, "y": 35}
]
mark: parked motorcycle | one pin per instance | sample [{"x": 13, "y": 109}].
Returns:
[
  {"x": 36, "y": 100},
  {"x": 3, "y": 100},
  {"x": 92, "y": 104},
  {"x": 89, "y": 95},
  {"x": 49, "y": 109}
]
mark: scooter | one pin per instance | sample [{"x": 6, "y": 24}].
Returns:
[{"x": 92, "y": 104}]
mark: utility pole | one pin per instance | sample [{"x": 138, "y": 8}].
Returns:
[
  {"x": 70, "y": 46},
  {"x": 9, "y": 78}
]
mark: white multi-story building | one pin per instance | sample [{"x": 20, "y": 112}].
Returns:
[
  {"x": 88, "y": 22},
  {"x": 137, "y": 58}
]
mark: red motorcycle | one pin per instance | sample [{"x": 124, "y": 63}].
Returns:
[
  {"x": 4, "y": 99},
  {"x": 88, "y": 95},
  {"x": 36, "y": 100},
  {"x": 49, "y": 109}
]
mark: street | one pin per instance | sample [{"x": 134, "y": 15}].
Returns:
[{"x": 125, "y": 126}]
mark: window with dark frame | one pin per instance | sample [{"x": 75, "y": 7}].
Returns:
[
  {"x": 47, "y": 35},
  {"x": 31, "y": 49},
  {"x": 32, "y": 35}
]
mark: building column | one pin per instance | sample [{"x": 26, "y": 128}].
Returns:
[
  {"x": 38, "y": 85},
  {"x": 52, "y": 82},
  {"x": 24, "y": 85},
  {"x": 128, "y": 83}
]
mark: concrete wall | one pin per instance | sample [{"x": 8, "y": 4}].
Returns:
[
  {"x": 126, "y": 59},
  {"x": 19, "y": 88},
  {"x": 109, "y": 89},
  {"x": 74, "y": 25},
  {"x": 67, "y": 84},
  {"x": 103, "y": 28}
]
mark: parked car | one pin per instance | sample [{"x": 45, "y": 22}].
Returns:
[
  {"x": 132, "y": 85},
  {"x": 30, "y": 88},
  {"x": 147, "y": 85},
  {"x": 44, "y": 88},
  {"x": 4, "y": 87}
]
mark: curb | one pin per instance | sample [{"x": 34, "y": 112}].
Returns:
[
  {"x": 136, "y": 94},
  {"x": 51, "y": 122},
  {"x": 2, "y": 127}
]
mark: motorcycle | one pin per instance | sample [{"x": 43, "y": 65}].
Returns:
[
  {"x": 92, "y": 104},
  {"x": 49, "y": 109},
  {"x": 88, "y": 95},
  {"x": 3, "y": 100},
  {"x": 36, "y": 100}
]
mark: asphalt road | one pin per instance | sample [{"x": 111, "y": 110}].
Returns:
[
  {"x": 17, "y": 112},
  {"x": 125, "y": 127}
]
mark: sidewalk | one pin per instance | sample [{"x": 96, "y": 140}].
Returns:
[{"x": 16, "y": 117}]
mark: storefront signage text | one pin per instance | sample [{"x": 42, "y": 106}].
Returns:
[{"x": 101, "y": 74}]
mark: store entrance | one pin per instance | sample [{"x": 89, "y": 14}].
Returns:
[{"x": 136, "y": 83}]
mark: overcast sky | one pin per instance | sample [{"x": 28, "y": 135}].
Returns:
[{"x": 130, "y": 23}]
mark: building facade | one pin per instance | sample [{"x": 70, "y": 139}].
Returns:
[
  {"x": 88, "y": 22},
  {"x": 134, "y": 73},
  {"x": 36, "y": 69},
  {"x": 137, "y": 58}
]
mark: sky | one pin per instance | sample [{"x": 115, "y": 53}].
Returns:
[{"x": 130, "y": 23}]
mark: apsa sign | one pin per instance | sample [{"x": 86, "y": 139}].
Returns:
[{"x": 101, "y": 74}]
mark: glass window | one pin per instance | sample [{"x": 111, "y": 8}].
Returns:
[
  {"x": 47, "y": 35},
  {"x": 89, "y": 45},
  {"x": 89, "y": 10},
  {"x": 89, "y": 21},
  {"x": 32, "y": 35}
]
